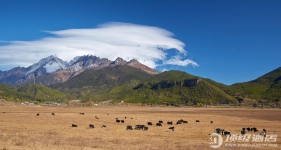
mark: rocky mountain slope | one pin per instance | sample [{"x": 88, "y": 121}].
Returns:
[{"x": 53, "y": 70}]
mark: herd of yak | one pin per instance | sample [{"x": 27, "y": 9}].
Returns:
[
  {"x": 137, "y": 127},
  {"x": 181, "y": 121}
]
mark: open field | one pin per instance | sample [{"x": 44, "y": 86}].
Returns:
[{"x": 20, "y": 128}]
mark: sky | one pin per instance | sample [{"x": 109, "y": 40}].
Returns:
[{"x": 228, "y": 41}]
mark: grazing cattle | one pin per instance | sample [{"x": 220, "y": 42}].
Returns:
[
  {"x": 218, "y": 130},
  {"x": 96, "y": 117},
  {"x": 255, "y": 129},
  {"x": 170, "y": 122},
  {"x": 263, "y": 133},
  {"x": 129, "y": 128},
  {"x": 244, "y": 129},
  {"x": 158, "y": 124},
  {"x": 197, "y": 121},
  {"x": 243, "y": 132},
  {"x": 103, "y": 126},
  {"x": 81, "y": 113},
  {"x": 118, "y": 121},
  {"x": 125, "y": 117},
  {"x": 74, "y": 125},
  {"x": 248, "y": 129},
  {"x": 211, "y": 122},
  {"x": 172, "y": 128},
  {"x": 131, "y": 118},
  {"x": 37, "y": 114},
  {"x": 145, "y": 128},
  {"x": 91, "y": 126},
  {"x": 222, "y": 131},
  {"x": 149, "y": 123},
  {"x": 139, "y": 127},
  {"x": 226, "y": 133},
  {"x": 160, "y": 121},
  {"x": 53, "y": 114},
  {"x": 184, "y": 121},
  {"x": 122, "y": 121},
  {"x": 179, "y": 122}
]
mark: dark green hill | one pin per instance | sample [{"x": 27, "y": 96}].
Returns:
[
  {"x": 32, "y": 92},
  {"x": 10, "y": 93},
  {"x": 43, "y": 93},
  {"x": 266, "y": 87},
  {"x": 95, "y": 84},
  {"x": 173, "y": 87}
]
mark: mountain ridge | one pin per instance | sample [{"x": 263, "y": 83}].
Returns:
[{"x": 62, "y": 71}]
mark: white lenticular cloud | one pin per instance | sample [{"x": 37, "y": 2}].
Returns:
[{"x": 146, "y": 44}]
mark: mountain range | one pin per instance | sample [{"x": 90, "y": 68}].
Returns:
[
  {"x": 90, "y": 78},
  {"x": 53, "y": 70}
]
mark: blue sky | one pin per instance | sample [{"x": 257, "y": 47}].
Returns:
[{"x": 228, "y": 41}]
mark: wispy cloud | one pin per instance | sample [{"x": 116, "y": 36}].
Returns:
[
  {"x": 176, "y": 60},
  {"x": 149, "y": 45}
]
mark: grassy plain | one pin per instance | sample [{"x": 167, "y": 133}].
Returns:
[{"x": 20, "y": 128}]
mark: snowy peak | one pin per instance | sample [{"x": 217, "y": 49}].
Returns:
[{"x": 51, "y": 64}]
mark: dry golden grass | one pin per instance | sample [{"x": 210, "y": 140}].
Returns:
[{"x": 20, "y": 128}]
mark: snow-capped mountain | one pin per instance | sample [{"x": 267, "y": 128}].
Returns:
[
  {"x": 50, "y": 64},
  {"x": 51, "y": 70}
]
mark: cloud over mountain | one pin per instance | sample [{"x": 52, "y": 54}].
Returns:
[{"x": 149, "y": 45}]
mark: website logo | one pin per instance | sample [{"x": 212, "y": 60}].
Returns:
[{"x": 216, "y": 140}]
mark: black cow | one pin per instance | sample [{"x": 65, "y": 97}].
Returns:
[
  {"x": 139, "y": 127},
  {"x": 244, "y": 129},
  {"x": 122, "y": 121},
  {"x": 74, "y": 125},
  {"x": 149, "y": 123},
  {"x": 248, "y": 129},
  {"x": 263, "y": 130},
  {"x": 145, "y": 128},
  {"x": 243, "y": 132},
  {"x": 37, "y": 114},
  {"x": 118, "y": 121},
  {"x": 158, "y": 124},
  {"x": 179, "y": 122},
  {"x": 81, "y": 113},
  {"x": 129, "y": 128},
  {"x": 170, "y": 122},
  {"x": 172, "y": 128},
  {"x": 218, "y": 130},
  {"x": 255, "y": 129},
  {"x": 197, "y": 121},
  {"x": 91, "y": 126},
  {"x": 53, "y": 114},
  {"x": 226, "y": 133},
  {"x": 160, "y": 121},
  {"x": 125, "y": 117},
  {"x": 211, "y": 122},
  {"x": 184, "y": 121},
  {"x": 103, "y": 126}
]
